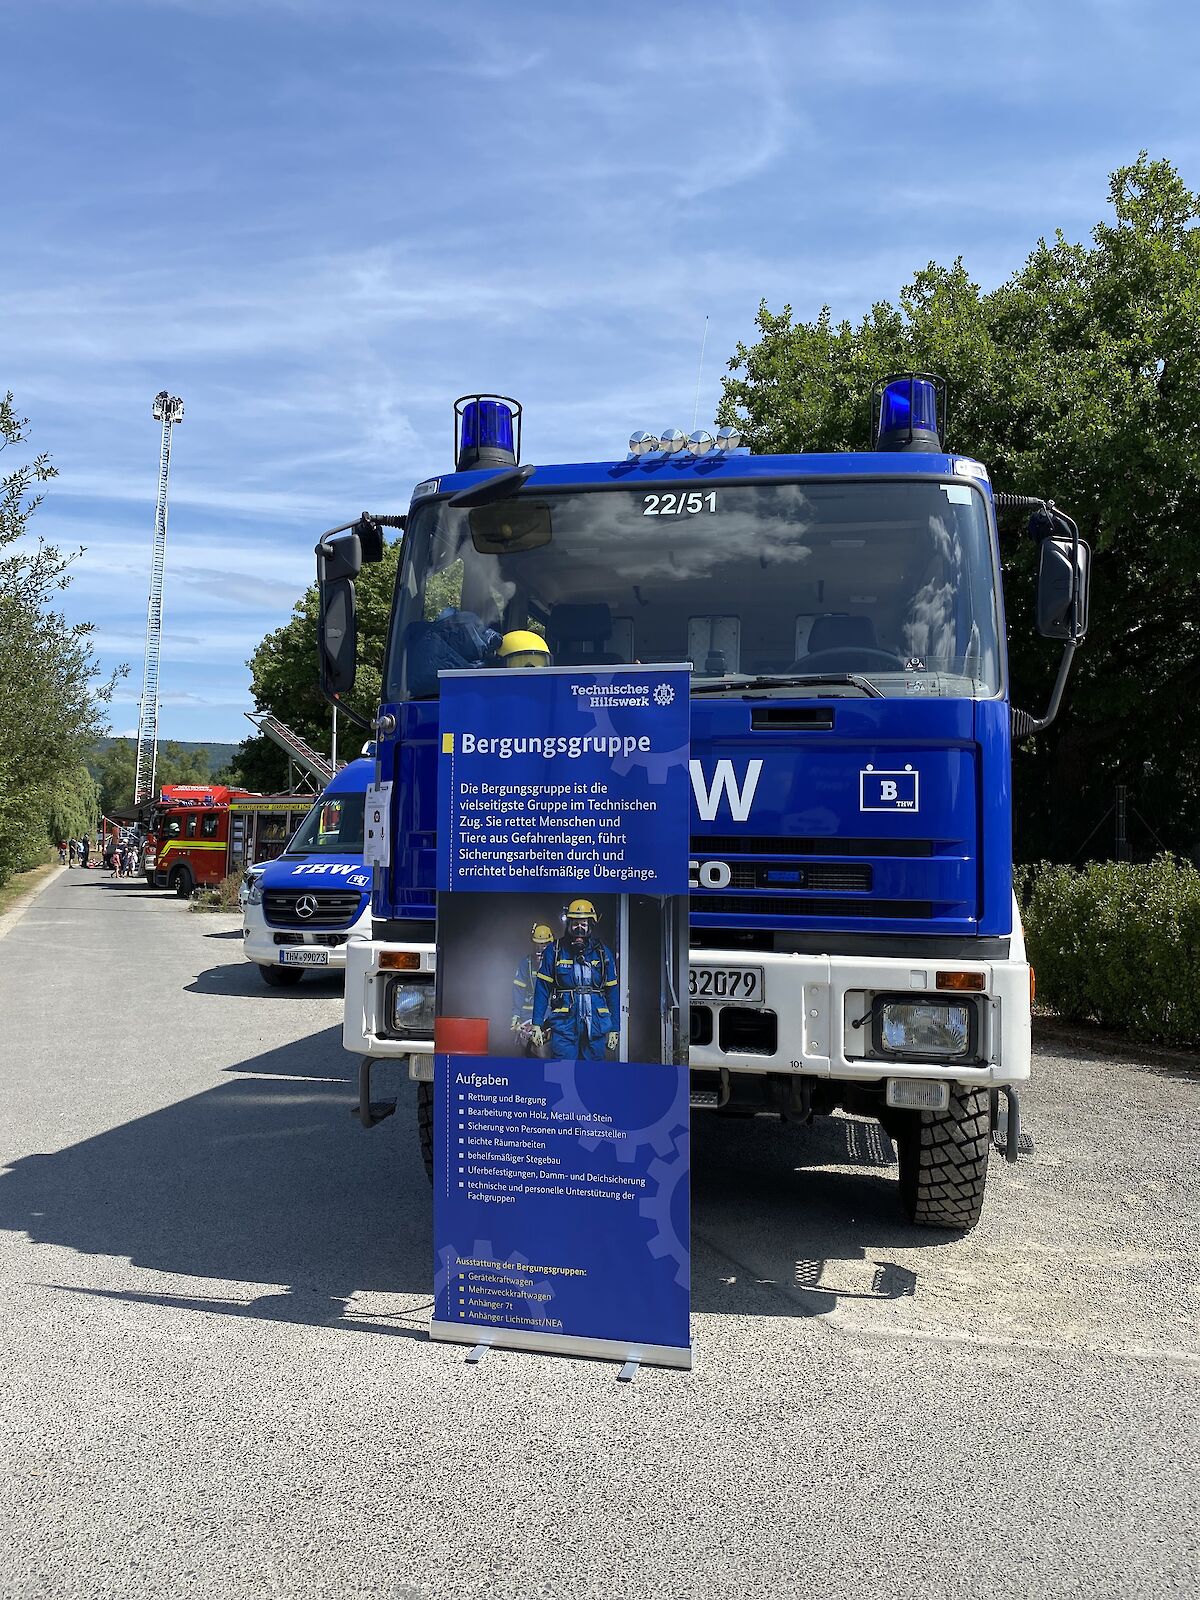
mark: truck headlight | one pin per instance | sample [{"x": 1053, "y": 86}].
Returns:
[
  {"x": 409, "y": 1008},
  {"x": 924, "y": 1029},
  {"x": 254, "y": 892}
]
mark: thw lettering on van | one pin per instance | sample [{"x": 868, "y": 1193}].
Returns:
[{"x": 724, "y": 784}]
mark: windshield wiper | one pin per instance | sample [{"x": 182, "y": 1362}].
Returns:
[{"x": 787, "y": 680}]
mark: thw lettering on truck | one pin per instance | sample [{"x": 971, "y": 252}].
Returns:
[{"x": 724, "y": 785}]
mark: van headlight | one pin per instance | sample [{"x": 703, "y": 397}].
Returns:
[
  {"x": 924, "y": 1030},
  {"x": 254, "y": 892},
  {"x": 409, "y": 1007}
]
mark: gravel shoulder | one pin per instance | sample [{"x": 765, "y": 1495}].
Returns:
[{"x": 216, "y": 1288}]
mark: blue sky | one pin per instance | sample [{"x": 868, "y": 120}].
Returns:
[{"x": 318, "y": 223}]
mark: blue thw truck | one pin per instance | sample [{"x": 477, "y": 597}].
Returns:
[{"x": 855, "y": 942}]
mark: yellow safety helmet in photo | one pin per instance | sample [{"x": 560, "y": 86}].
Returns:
[
  {"x": 579, "y": 909},
  {"x": 541, "y": 933},
  {"x": 523, "y": 648}
]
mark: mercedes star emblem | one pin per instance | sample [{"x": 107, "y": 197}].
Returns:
[{"x": 306, "y": 905}]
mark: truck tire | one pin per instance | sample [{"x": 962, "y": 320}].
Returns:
[
  {"x": 279, "y": 977},
  {"x": 943, "y": 1162},
  {"x": 425, "y": 1125},
  {"x": 180, "y": 882}
]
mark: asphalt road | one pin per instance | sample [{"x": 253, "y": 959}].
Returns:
[{"x": 215, "y": 1380}]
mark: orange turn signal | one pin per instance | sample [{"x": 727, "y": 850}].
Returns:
[
  {"x": 400, "y": 960},
  {"x": 960, "y": 980},
  {"x": 1032, "y": 986}
]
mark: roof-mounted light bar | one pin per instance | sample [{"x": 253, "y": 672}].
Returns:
[{"x": 672, "y": 441}]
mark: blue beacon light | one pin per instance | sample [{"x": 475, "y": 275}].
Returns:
[
  {"x": 487, "y": 431},
  {"x": 906, "y": 412}
]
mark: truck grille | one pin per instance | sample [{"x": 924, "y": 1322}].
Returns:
[
  {"x": 335, "y": 908},
  {"x": 830, "y": 876},
  {"x": 722, "y": 846},
  {"x": 809, "y": 906}
]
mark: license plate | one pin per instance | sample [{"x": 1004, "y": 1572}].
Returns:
[
  {"x": 726, "y": 983},
  {"x": 304, "y": 958}
]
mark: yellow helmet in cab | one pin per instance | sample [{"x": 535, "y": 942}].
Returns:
[{"x": 523, "y": 648}]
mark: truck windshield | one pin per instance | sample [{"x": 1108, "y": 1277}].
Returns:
[
  {"x": 334, "y": 827},
  {"x": 890, "y": 581}
]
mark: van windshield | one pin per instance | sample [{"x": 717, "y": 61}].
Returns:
[
  {"x": 890, "y": 580},
  {"x": 334, "y": 827}
]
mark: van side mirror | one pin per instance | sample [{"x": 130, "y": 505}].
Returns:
[{"x": 1063, "y": 588}]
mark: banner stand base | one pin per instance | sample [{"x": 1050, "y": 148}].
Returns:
[
  {"x": 628, "y": 1372},
  {"x": 630, "y": 1354}
]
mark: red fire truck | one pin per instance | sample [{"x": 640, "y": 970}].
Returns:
[{"x": 187, "y": 836}]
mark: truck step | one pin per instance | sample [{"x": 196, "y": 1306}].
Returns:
[
  {"x": 377, "y": 1111},
  {"x": 705, "y": 1099},
  {"x": 1024, "y": 1143}
]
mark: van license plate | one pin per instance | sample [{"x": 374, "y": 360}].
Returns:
[
  {"x": 304, "y": 958},
  {"x": 726, "y": 983}
]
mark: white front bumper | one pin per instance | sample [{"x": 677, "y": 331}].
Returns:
[
  {"x": 258, "y": 939},
  {"x": 817, "y": 1000}
]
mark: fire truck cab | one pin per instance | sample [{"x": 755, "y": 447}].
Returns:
[{"x": 187, "y": 844}]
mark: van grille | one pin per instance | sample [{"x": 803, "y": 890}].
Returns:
[{"x": 335, "y": 908}]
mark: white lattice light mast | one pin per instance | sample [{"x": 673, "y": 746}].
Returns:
[{"x": 168, "y": 409}]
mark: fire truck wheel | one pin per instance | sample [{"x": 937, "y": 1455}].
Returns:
[
  {"x": 279, "y": 977},
  {"x": 425, "y": 1125},
  {"x": 180, "y": 882},
  {"x": 943, "y": 1161}
]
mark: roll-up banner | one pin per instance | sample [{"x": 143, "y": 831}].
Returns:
[{"x": 561, "y": 1137}]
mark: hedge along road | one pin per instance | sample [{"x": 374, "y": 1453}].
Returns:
[{"x": 216, "y": 1287}]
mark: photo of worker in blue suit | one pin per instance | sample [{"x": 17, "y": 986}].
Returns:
[{"x": 576, "y": 1001}]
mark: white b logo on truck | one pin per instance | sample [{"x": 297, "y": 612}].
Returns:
[{"x": 889, "y": 791}]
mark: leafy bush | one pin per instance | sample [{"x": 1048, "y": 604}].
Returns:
[
  {"x": 224, "y": 897},
  {"x": 1118, "y": 944}
]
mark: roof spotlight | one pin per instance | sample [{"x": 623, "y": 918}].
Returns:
[
  {"x": 642, "y": 443},
  {"x": 671, "y": 440},
  {"x": 728, "y": 438},
  {"x": 700, "y": 443}
]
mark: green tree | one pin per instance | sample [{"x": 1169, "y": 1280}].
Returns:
[
  {"x": 114, "y": 768},
  {"x": 1076, "y": 380},
  {"x": 51, "y": 702},
  {"x": 283, "y": 676}
]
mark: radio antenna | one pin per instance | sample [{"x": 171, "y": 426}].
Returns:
[{"x": 699, "y": 375}]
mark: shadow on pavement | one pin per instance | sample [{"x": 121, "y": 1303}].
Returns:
[
  {"x": 241, "y": 977},
  {"x": 776, "y": 1231},
  {"x": 267, "y": 1181},
  {"x": 263, "y": 1181}
]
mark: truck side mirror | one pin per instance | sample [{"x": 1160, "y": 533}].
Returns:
[
  {"x": 339, "y": 563},
  {"x": 340, "y": 558},
  {"x": 1063, "y": 586}
]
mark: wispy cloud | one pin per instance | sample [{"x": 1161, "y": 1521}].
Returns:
[{"x": 364, "y": 210}]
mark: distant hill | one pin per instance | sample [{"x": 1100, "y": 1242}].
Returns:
[{"x": 219, "y": 755}]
